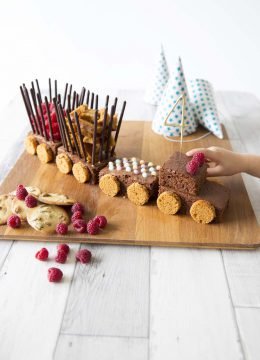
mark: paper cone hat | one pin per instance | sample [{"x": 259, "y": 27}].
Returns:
[
  {"x": 176, "y": 86},
  {"x": 159, "y": 81},
  {"x": 204, "y": 106}
]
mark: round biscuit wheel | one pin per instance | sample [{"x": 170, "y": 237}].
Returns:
[
  {"x": 109, "y": 184},
  {"x": 64, "y": 164},
  {"x": 31, "y": 144},
  {"x": 203, "y": 212},
  {"x": 138, "y": 194},
  {"x": 44, "y": 153},
  {"x": 169, "y": 203},
  {"x": 81, "y": 172}
]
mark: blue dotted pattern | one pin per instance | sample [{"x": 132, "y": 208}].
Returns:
[
  {"x": 175, "y": 87},
  {"x": 204, "y": 106}
]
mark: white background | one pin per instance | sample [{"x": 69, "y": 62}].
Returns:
[{"x": 113, "y": 44}]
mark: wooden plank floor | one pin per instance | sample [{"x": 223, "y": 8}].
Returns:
[{"x": 137, "y": 303}]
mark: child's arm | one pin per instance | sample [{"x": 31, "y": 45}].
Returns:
[{"x": 223, "y": 162}]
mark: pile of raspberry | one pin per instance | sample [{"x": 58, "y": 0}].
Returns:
[
  {"x": 55, "y": 274},
  {"x": 21, "y": 193},
  {"x": 195, "y": 163},
  {"x": 54, "y": 122}
]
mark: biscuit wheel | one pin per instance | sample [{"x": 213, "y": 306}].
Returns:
[
  {"x": 138, "y": 194},
  {"x": 169, "y": 203},
  {"x": 202, "y": 212},
  {"x": 44, "y": 153},
  {"x": 81, "y": 172},
  {"x": 31, "y": 144},
  {"x": 64, "y": 164},
  {"x": 109, "y": 184}
]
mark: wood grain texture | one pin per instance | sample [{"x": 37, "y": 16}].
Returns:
[{"x": 145, "y": 225}]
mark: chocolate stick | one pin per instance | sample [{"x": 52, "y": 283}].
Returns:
[
  {"x": 92, "y": 100},
  {"x": 39, "y": 90},
  {"x": 36, "y": 111},
  {"x": 63, "y": 139},
  {"x": 69, "y": 104},
  {"x": 73, "y": 133},
  {"x": 33, "y": 126},
  {"x": 42, "y": 117},
  {"x": 65, "y": 96},
  {"x": 80, "y": 135},
  {"x": 62, "y": 117},
  {"x": 87, "y": 100},
  {"x": 77, "y": 100},
  {"x": 74, "y": 100},
  {"x": 95, "y": 132},
  {"x": 82, "y": 95},
  {"x": 118, "y": 127},
  {"x": 63, "y": 128},
  {"x": 112, "y": 113},
  {"x": 49, "y": 118},
  {"x": 100, "y": 155},
  {"x": 55, "y": 89},
  {"x": 50, "y": 94},
  {"x": 59, "y": 98},
  {"x": 35, "y": 119},
  {"x": 115, "y": 103}
]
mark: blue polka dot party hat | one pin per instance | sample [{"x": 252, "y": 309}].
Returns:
[
  {"x": 175, "y": 88},
  {"x": 204, "y": 106},
  {"x": 159, "y": 81}
]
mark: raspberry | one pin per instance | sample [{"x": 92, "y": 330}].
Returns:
[
  {"x": 84, "y": 256},
  {"x": 61, "y": 257},
  {"x": 21, "y": 192},
  {"x": 30, "y": 201},
  {"x": 61, "y": 229},
  {"x": 63, "y": 247},
  {"x": 100, "y": 220},
  {"x": 14, "y": 221},
  {"x": 76, "y": 216},
  {"x": 80, "y": 226},
  {"x": 199, "y": 158},
  {"x": 54, "y": 274},
  {"x": 92, "y": 227},
  {"x": 192, "y": 167},
  {"x": 77, "y": 207},
  {"x": 42, "y": 254}
]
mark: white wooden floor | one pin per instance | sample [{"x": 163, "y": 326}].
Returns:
[{"x": 134, "y": 303}]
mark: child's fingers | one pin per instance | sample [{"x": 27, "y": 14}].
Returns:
[
  {"x": 214, "y": 171},
  {"x": 209, "y": 153},
  {"x": 194, "y": 151}
]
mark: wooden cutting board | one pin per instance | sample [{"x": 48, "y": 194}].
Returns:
[{"x": 146, "y": 225}]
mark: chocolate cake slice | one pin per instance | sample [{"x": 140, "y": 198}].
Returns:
[{"x": 173, "y": 175}]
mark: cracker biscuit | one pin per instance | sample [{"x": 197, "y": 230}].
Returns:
[
  {"x": 109, "y": 185},
  {"x": 56, "y": 199},
  {"x": 44, "y": 218},
  {"x": 5, "y": 208},
  {"x": 44, "y": 153},
  {"x": 81, "y": 172},
  {"x": 203, "y": 211},
  {"x": 32, "y": 190},
  {"x": 64, "y": 163},
  {"x": 138, "y": 193},
  {"x": 169, "y": 203},
  {"x": 19, "y": 208},
  {"x": 31, "y": 144}
]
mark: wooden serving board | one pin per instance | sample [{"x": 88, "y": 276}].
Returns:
[{"x": 144, "y": 225}]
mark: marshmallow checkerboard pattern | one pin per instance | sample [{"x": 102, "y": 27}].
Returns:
[
  {"x": 155, "y": 90},
  {"x": 204, "y": 106},
  {"x": 175, "y": 87}
]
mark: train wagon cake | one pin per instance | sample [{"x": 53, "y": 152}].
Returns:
[{"x": 183, "y": 188}]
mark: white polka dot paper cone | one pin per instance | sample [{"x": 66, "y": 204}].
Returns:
[
  {"x": 204, "y": 106},
  {"x": 159, "y": 81},
  {"x": 176, "y": 86}
]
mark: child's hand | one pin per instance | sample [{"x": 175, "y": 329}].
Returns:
[{"x": 221, "y": 162}]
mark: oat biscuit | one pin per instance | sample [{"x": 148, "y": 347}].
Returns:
[
  {"x": 109, "y": 185},
  {"x": 31, "y": 144},
  {"x": 44, "y": 153},
  {"x": 64, "y": 163},
  {"x": 5, "y": 208},
  {"x": 81, "y": 172},
  {"x": 202, "y": 212},
  {"x": 169, "y": 203},
  {"x": 45, "y": 217},
  {"x": 19, "y": 208},
  {"x": 138, "y": 194},
  {"x": 56, "y": 199},
  {"x": 32, "y": 190}
]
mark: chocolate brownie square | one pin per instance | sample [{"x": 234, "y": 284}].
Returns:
[{"x": 173, "y": 174}]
